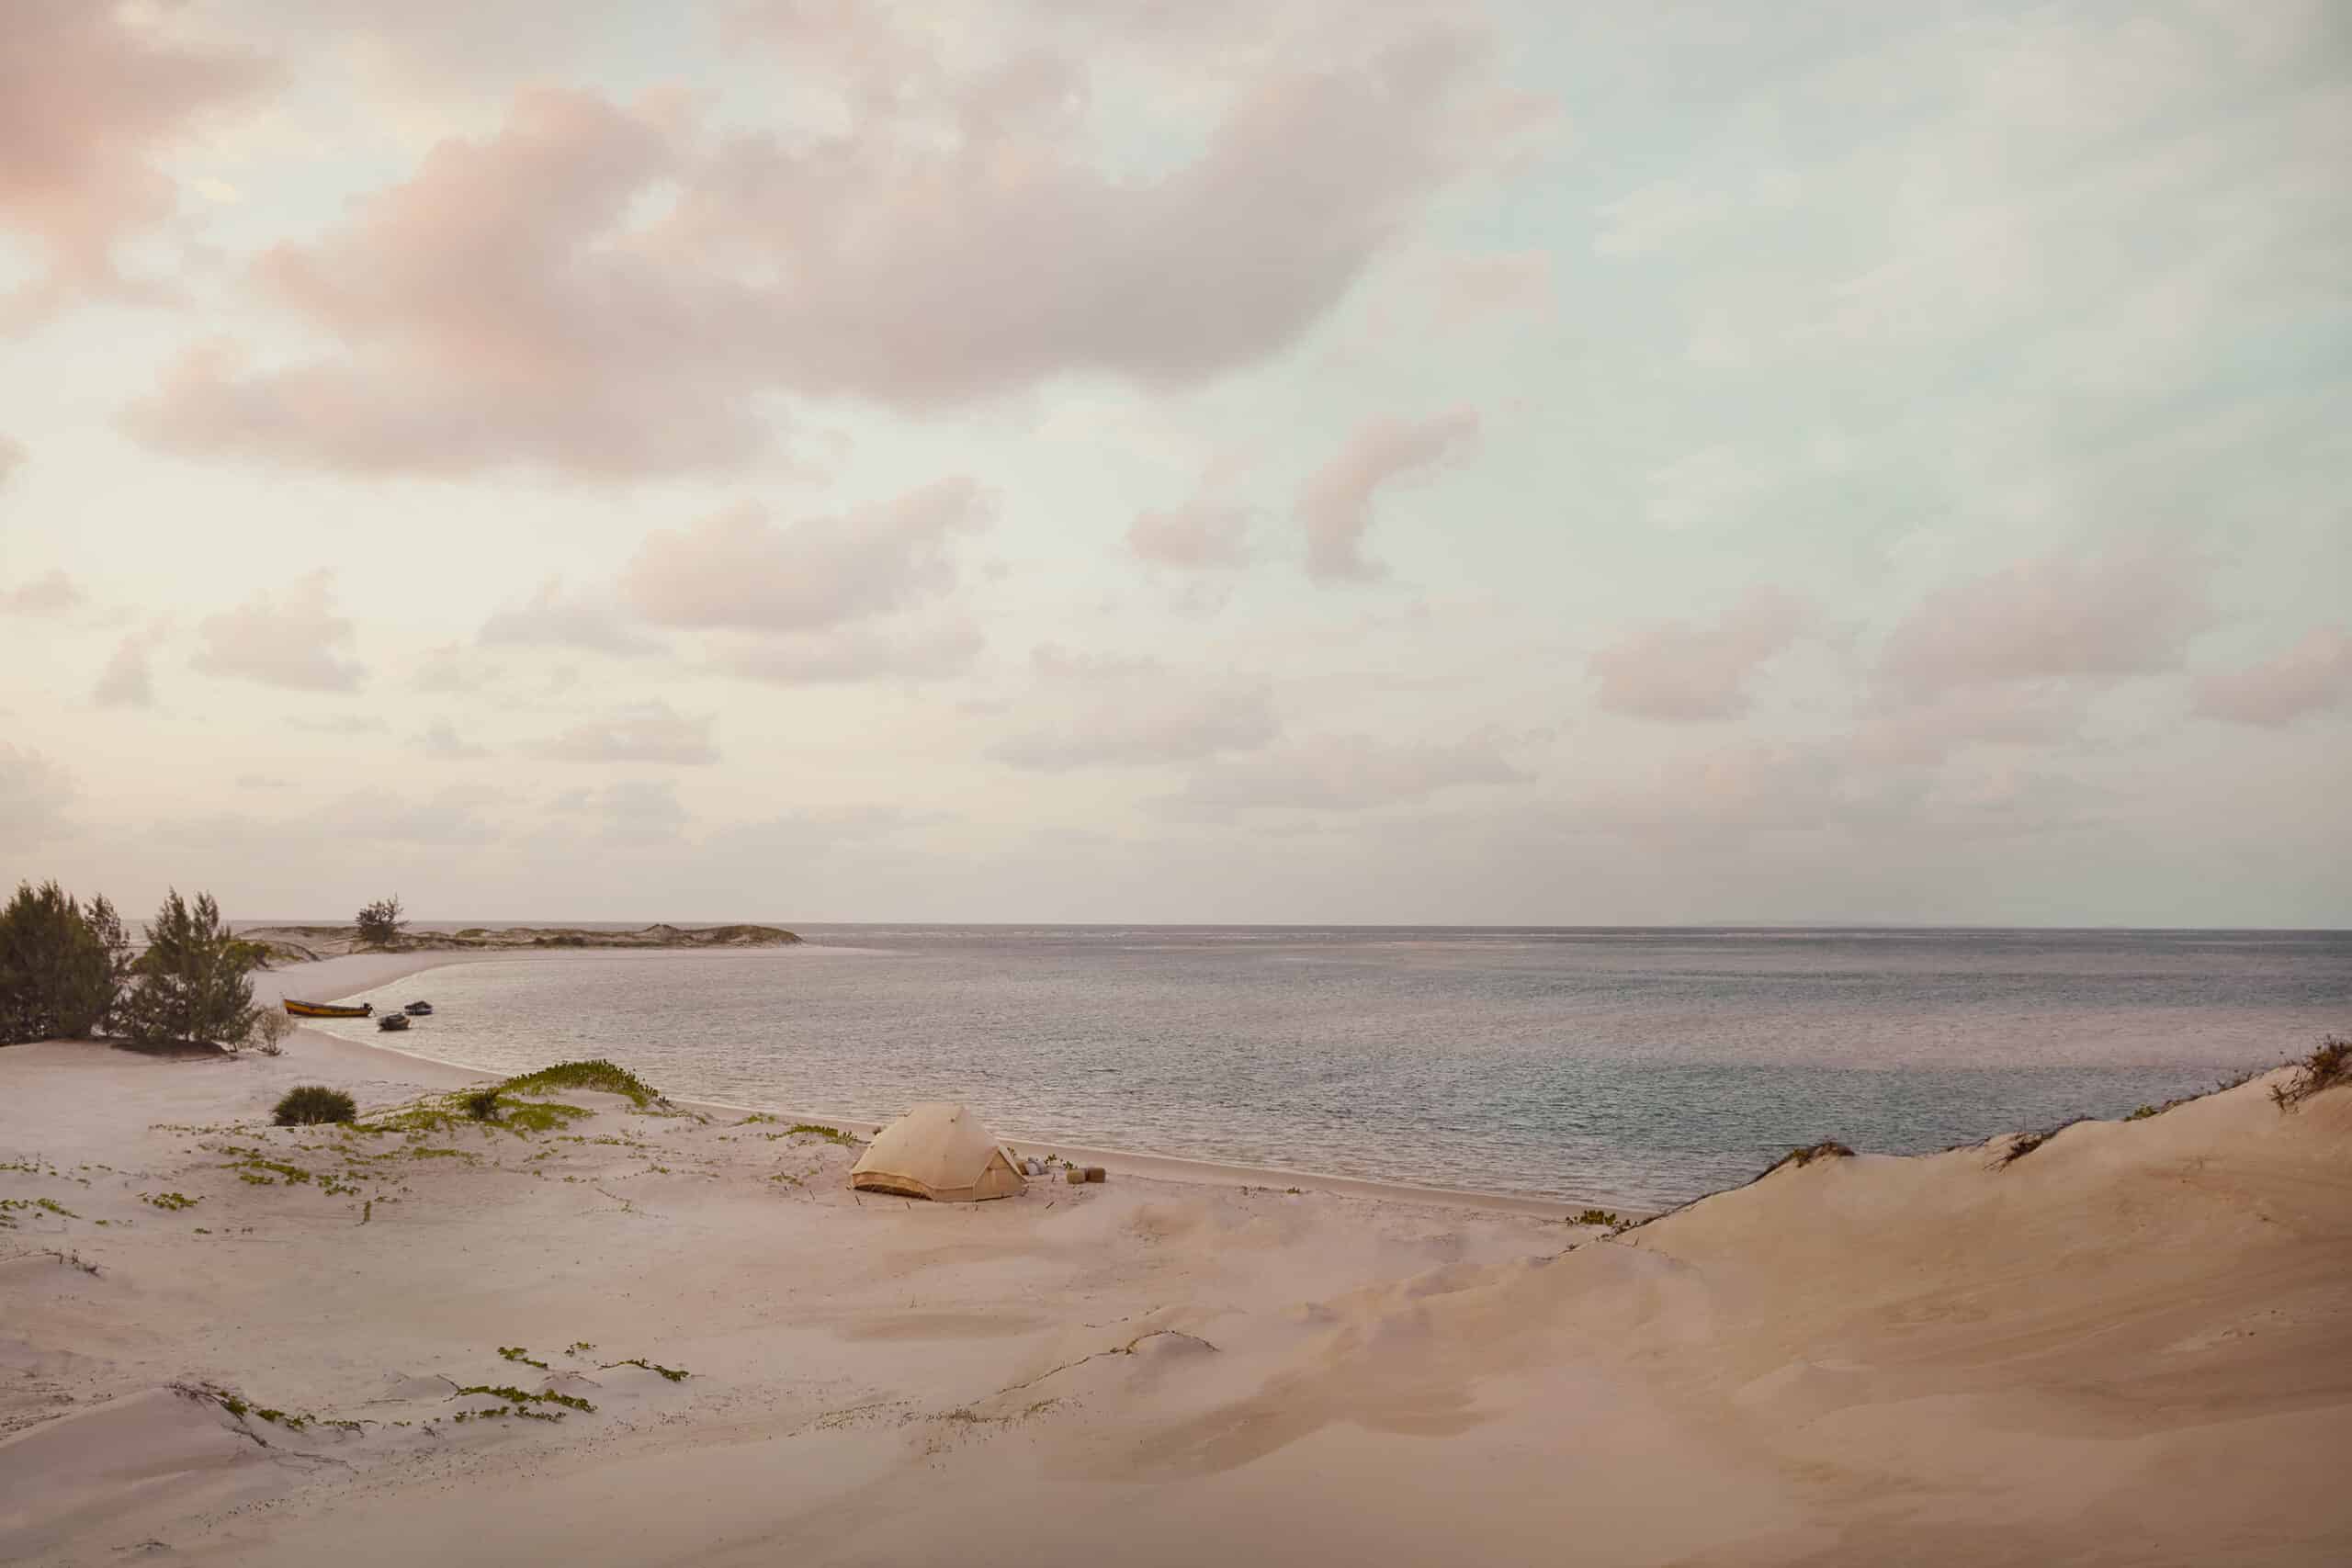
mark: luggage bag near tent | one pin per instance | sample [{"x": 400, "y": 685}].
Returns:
[{"x": 940, "y": 1152}]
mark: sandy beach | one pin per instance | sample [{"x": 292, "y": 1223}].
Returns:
[{"x": 2124, "y": 1347}]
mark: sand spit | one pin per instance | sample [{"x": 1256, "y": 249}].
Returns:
[
  {"x": 2126, "y": 1347},
  {"x": 309, "y": 942}
]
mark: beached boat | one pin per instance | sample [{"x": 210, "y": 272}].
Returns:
[
  {"x": 393, "y": 1020},
  {"x": 419, "y": 1009},
  {"x": 328, "y": 1009}
]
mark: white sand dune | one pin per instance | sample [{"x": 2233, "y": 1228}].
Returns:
[{"x": 2126, "y": 1347}]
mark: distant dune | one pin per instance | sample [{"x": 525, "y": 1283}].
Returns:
[{"x": 305, "y": 942}]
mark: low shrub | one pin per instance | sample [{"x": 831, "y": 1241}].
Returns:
[
  {"x": 482, "y": 1105},
  {"x": 268, "y": 1032},
  {"x": 310, "y": 1104},
  {"x": 1597, "y": 1217}
]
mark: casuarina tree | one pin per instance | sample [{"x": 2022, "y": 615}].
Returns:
[
  {"x": 191, "y": 986},
  {"x": 380, "y": 923},
  {"x": 56, "y": 971}
]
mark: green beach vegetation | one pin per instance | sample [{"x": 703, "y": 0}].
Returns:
[{"x": 67, "y": 973}]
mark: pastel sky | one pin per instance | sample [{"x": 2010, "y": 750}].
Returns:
[{"x": 1181, "y": 460}]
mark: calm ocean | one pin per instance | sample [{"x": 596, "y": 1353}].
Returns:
[{"x": 1636, "y": 1066}]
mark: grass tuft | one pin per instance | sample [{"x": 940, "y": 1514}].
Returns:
[
  {"x": 2329, "y": 1066},
  {"x": 310, "y": 1105},
  {"x": 1597, "y": 1217},
  {"x": 482, "y": 1104},
  {"x": 2025, "y": 1143},
  {"x": 1829, "y": 1148}
]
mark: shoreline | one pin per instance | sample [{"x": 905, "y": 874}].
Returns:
[
  {"x": 441, "y": 1339},
  {"x": 1128, "y": 1162}
]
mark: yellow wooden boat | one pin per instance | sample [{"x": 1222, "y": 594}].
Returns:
[{"x": 328, "y": 1009}]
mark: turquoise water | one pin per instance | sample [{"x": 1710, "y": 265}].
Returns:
[{"x": 1632, "y": 1066}]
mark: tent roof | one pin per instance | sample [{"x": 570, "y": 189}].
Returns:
[{"x": 937, "y": 1151}]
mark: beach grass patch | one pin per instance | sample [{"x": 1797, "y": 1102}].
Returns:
[
  {"x": 522, "y": 1400},
  {"x": 171, "y": 1201},
  {"x": 312, "y": 1105},
  {"x": 1597, "y": 1217},
  {"x": 522, "y": 1354},
  {"x": 671, "y": 1374},
  {"x": 448, "y": 1113},
  {"x": 597, "y": 1076}
]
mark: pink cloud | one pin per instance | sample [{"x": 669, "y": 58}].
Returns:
[
  {"x": 52, "y": 594},
  {"x": 601, "y": 290},
  {"x": 2313, "y": 676},
  {"x": 736, "y": 570},
  {"x": 1467, "y": 288},
  {"x": 2128, "y": 609},
  {"x": 89, "y": 102},
  {"x": 290, "y": 638},
  {"x": 1688, "y": 669},
  {"x": 1336, "y": 504},
  {"x": 497, "y": 310},
  {"x": 1199, "y": 535}
]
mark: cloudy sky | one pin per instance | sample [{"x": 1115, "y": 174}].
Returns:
[{"x": 1181, "y": 460}]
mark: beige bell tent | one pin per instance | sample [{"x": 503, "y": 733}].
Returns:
[{"x": 940, "y": 1152}]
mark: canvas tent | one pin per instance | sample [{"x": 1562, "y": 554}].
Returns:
[{"x": 940, "y": 1152}]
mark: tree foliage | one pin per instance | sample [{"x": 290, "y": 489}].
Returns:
[
  {"x": 59, "y": 972},
  {"x": 380, "y": 923},
  {"x": 192, "y": 986}
]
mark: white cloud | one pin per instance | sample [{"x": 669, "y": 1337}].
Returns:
[
  {"x": 1347, "y": 772},
  {"x": 897, "y": 649},
  {"x": 1130, "y": 711},
  {"x": 649, "y": 732},
  {"x": 635, "y": 811},
  {"x": 453, "y": 667},
  {"x": 33, "y": 795},
  {"x": 125, "y": 682},
  {"x": 441, "y": 741},
  {"x": 452, "y": 817},
  {"x": 551, "y": 619}
]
